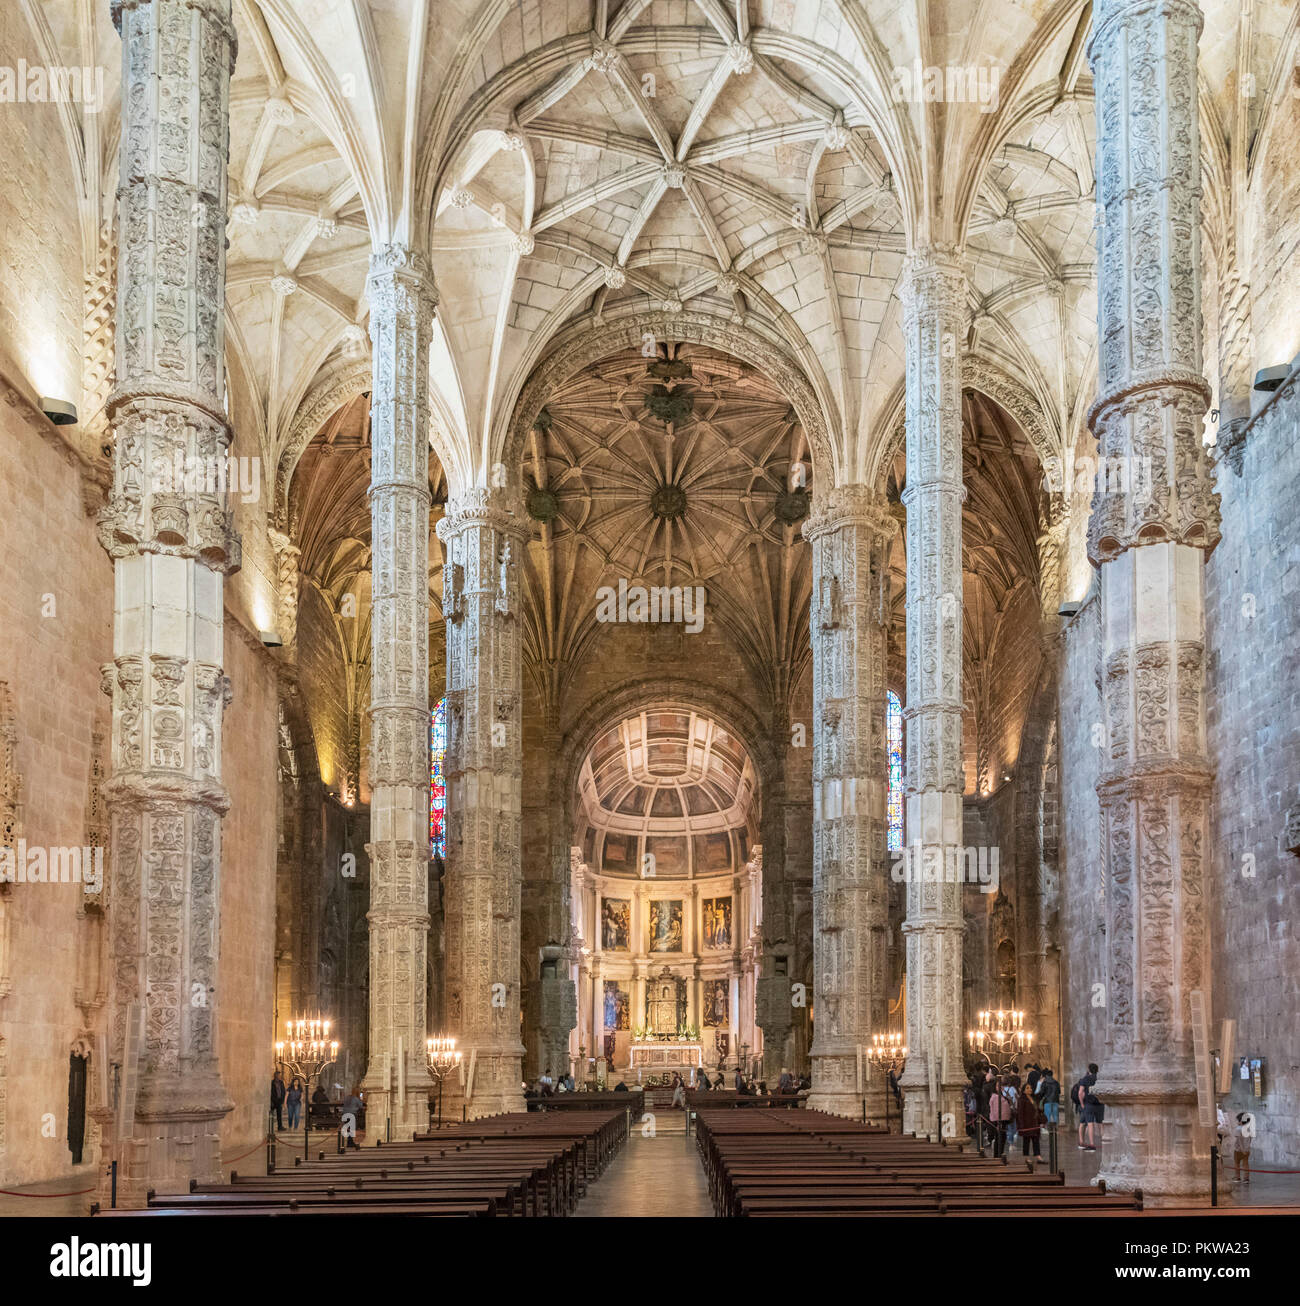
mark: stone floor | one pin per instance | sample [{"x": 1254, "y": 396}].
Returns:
[
  {"x": 656, "y": 1176},
  {"x": 1083, "y": 1167}
]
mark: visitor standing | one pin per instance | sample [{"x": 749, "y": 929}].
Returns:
[
  {"x": 293, "y": 1101},
  {"x": 1242, "y": 1137},
  {"x": 999, "y": 1114},
  {"x": 1078, "y": 1093},
  {"x": 348, "y": 1121},
  {"x": 1029, "y": 1126},
  {"x": 277, "y": 1098}
]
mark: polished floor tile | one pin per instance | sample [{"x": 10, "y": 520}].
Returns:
[{"x": 659, "y": 1176}]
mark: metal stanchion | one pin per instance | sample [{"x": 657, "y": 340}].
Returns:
[
  {"x": 1214, "y": 1174},
  {"x": 1053, "y": 1148},
  {"x": 113, "y": 1185}
]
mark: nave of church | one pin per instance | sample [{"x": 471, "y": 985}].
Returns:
[{"x": 738, "y": 553}]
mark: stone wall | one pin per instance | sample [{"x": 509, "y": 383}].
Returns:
[
  {"x": 56, "y": 615},
  {"x": 1253, "y": 618}
]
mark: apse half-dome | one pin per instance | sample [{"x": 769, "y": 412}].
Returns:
[{"x": 674, "y": 786}]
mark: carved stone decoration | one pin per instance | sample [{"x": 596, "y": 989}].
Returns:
[
  {"x": 402, "y": 302},
  {"x": 933, "y": 305},
  {"x": 484, "y": 532},
  {"x": 172, "y": 544},
  {"x": 91, "y": 991},
  {"x": 287, "y": 555},
  {"x": 1291, "y": 832},
  {"x": 11, "y": 789},
  {"x": 850, "y": 537},
  {"x": 1150, "y": 546}
]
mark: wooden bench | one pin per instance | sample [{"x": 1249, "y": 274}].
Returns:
[
  {"x": 508, "y": 1165},
  {"x": 809, "y": 1164}
]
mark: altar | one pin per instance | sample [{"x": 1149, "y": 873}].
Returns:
[{"x": 656, "y": 1058}]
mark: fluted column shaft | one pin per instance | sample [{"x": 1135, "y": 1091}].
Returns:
[
  {"x": 1150, "y": 546},
  {"x": 402, "y": 302},
  {"x": 168, "y": 531},
  {"x": 484, "y": 534},
  {"x": 933, "y": 306},
  {"x": 850, "y": 536}
]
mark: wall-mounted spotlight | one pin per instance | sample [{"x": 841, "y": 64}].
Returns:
[
  {"x": 59, "y": 411},
  {"x": 1068, "y": 609},
  {"x": 1269, "y": 378},
  {"x": 270, "y": 638}
]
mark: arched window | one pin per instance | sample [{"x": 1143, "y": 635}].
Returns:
[
  {"x": 894, "y": 747},
  {"x": 438, "y": 779}
]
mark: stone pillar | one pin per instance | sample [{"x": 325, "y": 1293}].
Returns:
[
  {"x": 1149, "y": 543},
  {"x": 172, "y": 546},
  {"x": 850, "y": 534},
  {"x": 402, "y": 302},
  {"x": 597, "y": 1009},
  {"x": 553, "y": 1010},
  {"x": 484, "y": 534},
  {"x": 933, "y": 307}
]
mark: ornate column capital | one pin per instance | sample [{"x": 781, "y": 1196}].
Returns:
[
  {"x": 851, "y": 505},
  {"x": 501, "y": 510},
  {"x": 400, "y": 280}
]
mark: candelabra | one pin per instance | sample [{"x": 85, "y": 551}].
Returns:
[
  {"x": 443, "y": 1058},
  {"x": 888, "y": 1052},
  {"x": 1002, "y": 1033},
  {"x": 306, "y": 1052}
]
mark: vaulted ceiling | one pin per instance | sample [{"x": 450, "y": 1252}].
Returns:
[
  {"x": 570, "y": 162},
  {"x": 687, "y": 468}
]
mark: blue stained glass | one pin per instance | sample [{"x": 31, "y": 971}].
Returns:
[
  {"x": 438, "y": 779},
  {"x": 894, "y": 743}
]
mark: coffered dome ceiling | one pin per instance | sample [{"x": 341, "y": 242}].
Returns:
[{"x": 673, "y": 784}]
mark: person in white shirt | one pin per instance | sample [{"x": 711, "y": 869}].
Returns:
[{"x": 1242, "y": 1137}]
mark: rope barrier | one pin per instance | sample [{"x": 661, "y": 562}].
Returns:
[
  {"x": 226, "y": 1160},
  {"x": 9, "y": 1192}
]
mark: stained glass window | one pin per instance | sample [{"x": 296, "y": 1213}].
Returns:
[
  {"x": 438, "y": 780},
  {"x": 894, "y": 743}
]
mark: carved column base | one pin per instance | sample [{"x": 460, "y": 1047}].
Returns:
[
  {"x": 497, "y": 1086},
  {"x": 176, "y": 1138},
  {"x": 386, "y": 1111},
  {"x": 837, "y": 1088},
  {"x": 1156, "y": 1142}
]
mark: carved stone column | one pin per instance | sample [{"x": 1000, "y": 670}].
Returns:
[
  {"x": 484, "y": 531},
  {"x": 172, "y": 546},
  {"x": 402, "y": 301},
  {"x": 850, "y": 535},
  {"x": 933, "y": 306},
  {"x": 773, "y": 995},
  {"x": 552, "y": 1010},
  {"x": 1150, "y": 547}
]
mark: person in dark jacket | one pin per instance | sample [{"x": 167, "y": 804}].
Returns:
[
  {"x": 293, "y": 1102},
  {"x": 277, "y": 1098},
  {"x": 1049, "y": 1096},
  {"x": 1028, "y": 1125}
]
